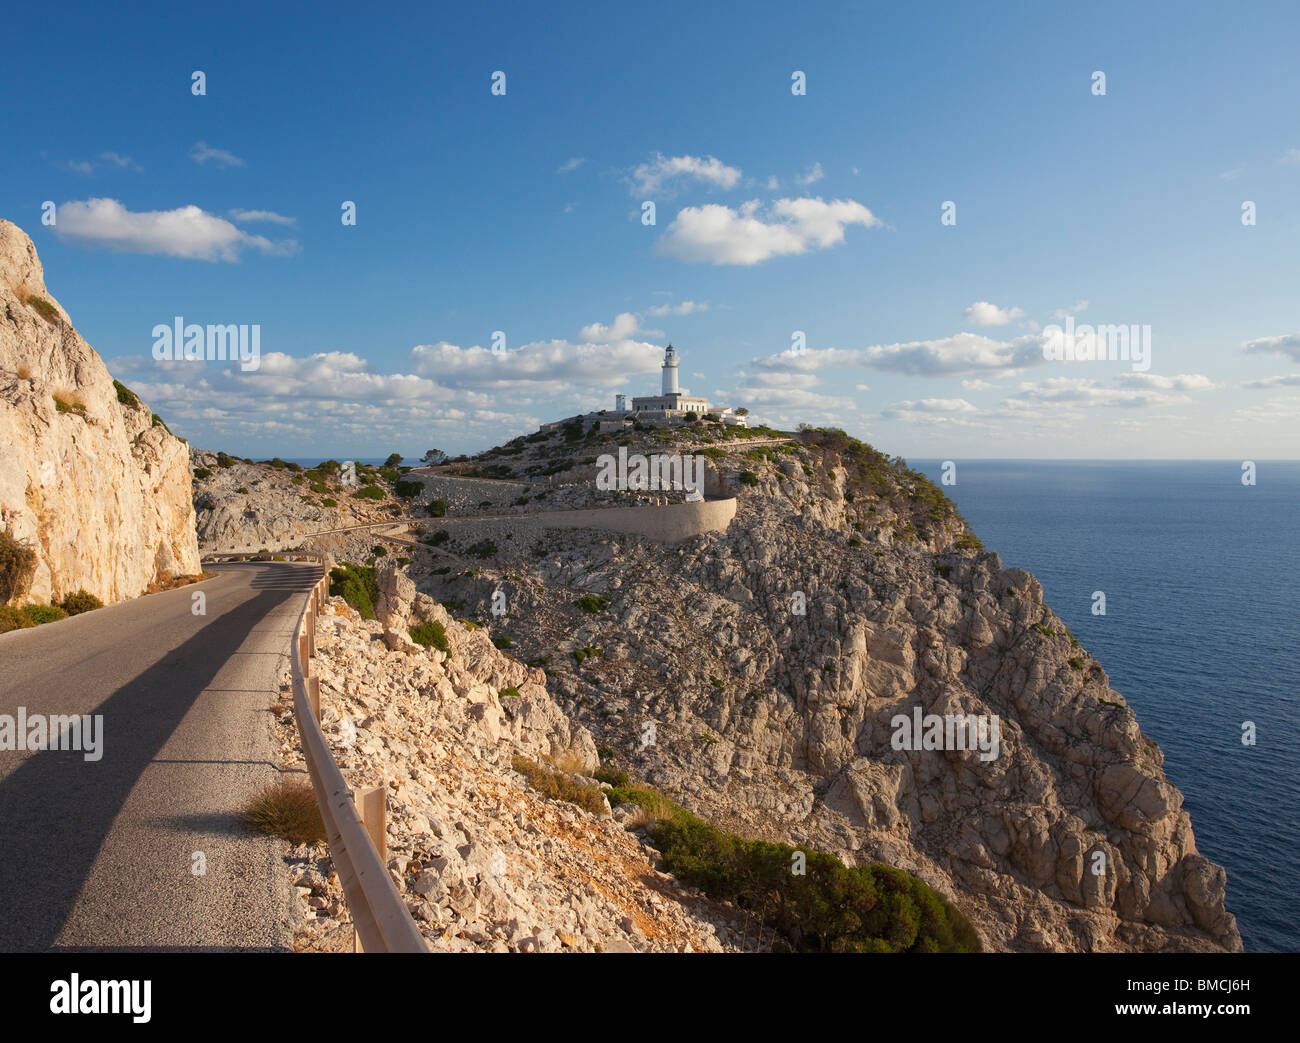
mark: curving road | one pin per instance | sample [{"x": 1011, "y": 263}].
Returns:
[{"x": 101, "y": 854}]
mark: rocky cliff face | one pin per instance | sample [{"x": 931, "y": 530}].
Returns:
[
  {"x": 756, "y": 677},
  {"x": 87, "y": 478},
  {"x": 484, "y": 862},
  {"x": 244, "y": 506}
]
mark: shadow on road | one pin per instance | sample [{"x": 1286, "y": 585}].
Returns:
[{"x": 57, "y": 808}]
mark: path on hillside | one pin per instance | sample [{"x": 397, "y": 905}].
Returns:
[{"x": 99, "y": 854}]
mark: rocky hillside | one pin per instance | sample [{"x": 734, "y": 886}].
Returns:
[
  {"x": 485, "y": 862},
  {"x": 754, "y": 676},
  {"x": 90, "y": 479},
  {"x": 241, "y": 505}
]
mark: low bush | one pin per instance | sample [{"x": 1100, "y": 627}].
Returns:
[
  {"x": 78, "y": 602},
  {"x": 17, "y": 566},
  {"x": 369, "y": 492},
  {"x": 126, "y": 396},
  {"x": 592, "y": 603},
  {"x": 430, "y": 634},
  {"x": 38, "y": 614},
  {"x": 356, "y": 585},
  {"x": 827, "y": 908}
]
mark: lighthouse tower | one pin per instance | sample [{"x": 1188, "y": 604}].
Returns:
[{"x": 670, "y": 372}]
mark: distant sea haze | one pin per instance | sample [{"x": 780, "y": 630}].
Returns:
[{"x": 1202, "y": 619}]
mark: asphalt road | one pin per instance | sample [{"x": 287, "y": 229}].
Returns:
[{"x": 101, "y": 854}]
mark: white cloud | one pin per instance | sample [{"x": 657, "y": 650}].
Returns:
[
  {"x": 1080, "y": 392},
  {"x": 570, "y": 165},
  {"x": 976, "y": 385},
  {"x": 1231, "y": 175},
  {"x": 1264, "y": 383},
  {"x": 1181, "y": 382},
  {"x": 556, "y": 366},
  {"x": 963, "y": 353},
  {"x": 684, "y": 308},
  {"x": 717, "y": 234},
  {"x": 1288, "y": 344},
  {"x": 814, "y": 174},
  {"x": 261, "y": 215},
  {"x": 772, "y": 183},
  {"x": 203, "y": 153},
  {"x": 111, "y": 160},
  {"x": 863, "y": 387},
  {"x": 664, "y": 172},
  {"x": 954, "y": 412},
  {"x": 982, "y": 313},
  {"x": 625, "y": 325},
  {"x": 1292, "y": 156},
  {"x": 187, "y": 231},
  {"x": 1074, "y": 309}
]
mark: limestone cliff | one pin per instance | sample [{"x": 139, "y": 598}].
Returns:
[
  {"x": 88, "y": 478},
  {"x": 773, "y": 659}
]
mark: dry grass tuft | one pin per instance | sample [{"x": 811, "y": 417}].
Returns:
[{"x": 287, "y": 809}]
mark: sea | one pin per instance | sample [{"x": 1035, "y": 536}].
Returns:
[{"x": 1200, "y": 634}]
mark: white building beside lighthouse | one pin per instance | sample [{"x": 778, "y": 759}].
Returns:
[
  {"x": 672, "y": 406},
  {"x": 672, "y": 398}
]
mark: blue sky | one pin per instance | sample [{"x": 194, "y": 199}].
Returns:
[{"x": 775, "y": 213}]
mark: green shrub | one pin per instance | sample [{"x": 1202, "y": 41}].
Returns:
[
  {"x": 369, "y": 492},
  {"x": 356, "y": 585},
  {"x": 503, "y": 641},
  {"x": 1076, "y": 664},
  {"x": 289, "y": 810},
  {"x": 713, "y": 452},
  {"x": 78, "y": 602},
  {"x": 592, "y": 603},
  {"x": 438, "y": 538},
  {"x": 590, "y": 652},
  {"x": 430, "y": 634},
  {"x": 44, "y": 309},
  {"x": 408, "y": 490},
  {"x": 379, "y": 551},
  {"x": 943, "y": 570},
  {"x": 482, "y": 549},
  {"x": 17, "y": 566},
  {"x": 748, "y": 478},
  {"x": 438, "y": 508},
  {"x": 126, "y": 396},
  {"x": 243, "y": 490},
  {"x": 612, "y": 775},
  {"x": 225, "y": 460},
  {"x": 329, "y": 501},
  {"x": 830, "y": 908},
  {"x": 558, "y": 786},
  {"x": 38, "y": 614},
  {"x": 509, "y": 693},
  {"x": 158, "y": 421},
  {"x": 65, "y": 405},
  {"x": 969, "y": 541},
  {"x": 202, "y": 473},
  {"x": 13, "y": 619}
]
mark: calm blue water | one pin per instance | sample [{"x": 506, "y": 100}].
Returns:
[{"x": 1200, "y": 634}]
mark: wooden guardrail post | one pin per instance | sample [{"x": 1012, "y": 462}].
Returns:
[
  {"x": 311, "y": 630},
  {"x": 313, "y": 695},
  {"x": 372, "y": 806}
]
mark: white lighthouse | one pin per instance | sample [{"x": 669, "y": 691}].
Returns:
[{"x": 670, "y": 372}]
